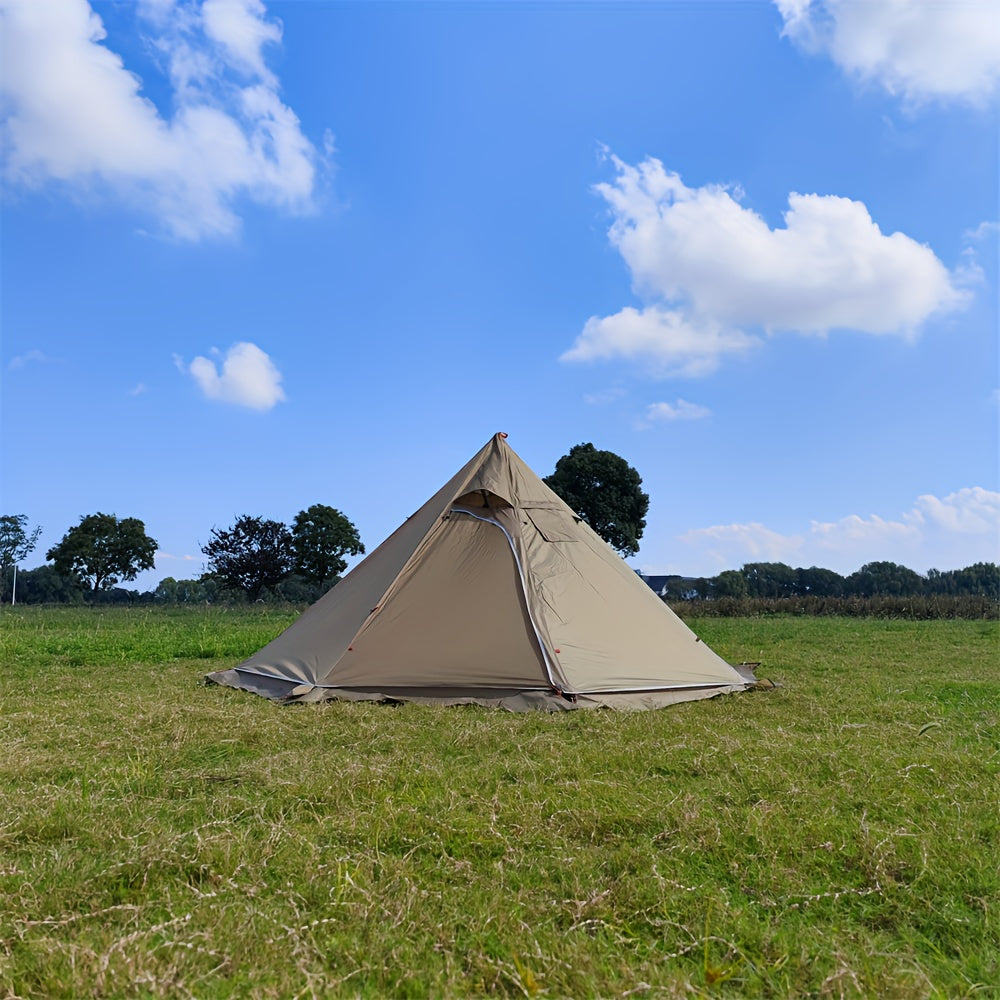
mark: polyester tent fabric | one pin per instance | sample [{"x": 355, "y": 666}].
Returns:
[{"x": 494, "y": 593}]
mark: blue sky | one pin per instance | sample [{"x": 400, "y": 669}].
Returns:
[{"x": 259, "y": 256}]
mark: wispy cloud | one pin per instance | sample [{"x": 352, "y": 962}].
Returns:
[
  {"x": 74, "y": 114},
  {"x": 605, "y": 396},
  {"x": 921, "y": 50},
  {"x": 33, "y": 357},
  {"x": 936, "y": 532},
  {"x": 709, "y": 270},
  {"x": 248, "y": 377},
  {"x": 988, "y": 229},
  {"x": 679, "y": 410}
]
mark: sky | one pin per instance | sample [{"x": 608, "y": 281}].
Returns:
[{"x": 258, "y": 256}]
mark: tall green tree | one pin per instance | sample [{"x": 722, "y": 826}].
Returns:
[
  {"x": 979, "y": 579},
  {"x": 102, "y": 550},
  {"x": 982, "y": 579},
  {"x": 16, "y": 544},
  {"x": 605, "y": 491},
  {"x": 819, "y": 582},
  {"x": 730, "y": 583},
  {"x": 766, "y": 579},
  {"x": 884, "y": 579},
  {"x": 254, "y": 555},
  {"x": 321, "y": 537}
]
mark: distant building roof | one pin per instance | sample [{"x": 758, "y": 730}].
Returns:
[
  {"x": 684, "y": 587},
  {"x": 658, "y": 584}
]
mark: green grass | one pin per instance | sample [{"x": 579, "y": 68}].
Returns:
[{"x": 837, "y": 837}]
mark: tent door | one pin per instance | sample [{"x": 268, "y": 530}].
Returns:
[{"x": 456, "y": 618}]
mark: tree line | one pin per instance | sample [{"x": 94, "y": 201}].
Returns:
[
  {"x": 778, "y": 581},
  {"x": 255, "y": 559},
  {"x": 260, "y": 559}
]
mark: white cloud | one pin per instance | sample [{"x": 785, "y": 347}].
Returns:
[
  {"x": 29, "y": 357},
  {"x": 672, "y": 342},
  {"x": 240, "y": 26},
  {"x": 987, "y": 229},
  {"x": 944, "y": 533},
  {"x": 973, "y": 511},
  {"x": 859, "y": 533},
  {"x": 919, "y": 49},
  {"x": 681, "y": 410},
  {"x": 138, "y": 389},
  {"x": 604, "y": 396},
  {"x": 724, "y": 543},
  {"x": 248, "y": 377},
  {"x": 709, "y": 269},
  {"x": 73, "y": 113}
]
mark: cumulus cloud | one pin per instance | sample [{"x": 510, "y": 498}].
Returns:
[
  {"x": 73, "y": 113},
  {"x": 920, "y": 50},
  {"x": 709, "y": 269},
  {"x": 973, "y": 511},
  {"x": 248, "y": 377},
  {"x": 673, "y": 343},
  {"x": 936, "y": 532}
]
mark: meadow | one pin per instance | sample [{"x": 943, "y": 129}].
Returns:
[{"x": 838, "y": 836}]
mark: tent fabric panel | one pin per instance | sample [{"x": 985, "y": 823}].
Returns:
[
  {"x": 456, "y": 617},
  {"x": 611, "y": 631},
  {"x": 504, "y": 473},
  {"x": 275, "y": 688},
  {"x": 309, "y": 649},
  {"x": 509, "y": 699},
  {"x": 553, "y": 525}
]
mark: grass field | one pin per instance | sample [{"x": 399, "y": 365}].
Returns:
[{"x": 837, "y": 837}]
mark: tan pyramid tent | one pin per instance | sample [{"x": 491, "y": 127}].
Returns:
[{"x": 495, "y": 593}]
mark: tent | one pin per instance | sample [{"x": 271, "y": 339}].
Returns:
[{"x": 495, "y": 593}]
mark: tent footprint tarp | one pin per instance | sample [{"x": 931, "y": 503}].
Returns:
[{"x": 493, "y": 593}]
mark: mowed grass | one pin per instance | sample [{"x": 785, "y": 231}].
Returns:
[{"x": 836, "y": 837}]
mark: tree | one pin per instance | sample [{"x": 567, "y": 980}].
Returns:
[
  {"x": 884, "y": 579},
  {"x": 603, "y": 490},
  {"x": 818, "y": 582},
  {"x": 253, "y": 556},
  {"x": 730, "y": 583},
  {"x": 102, "y": 550},
  {"x": 171, "y": 591},
  {"x": 321, "y": 537},
  {"x": 16, "y": 544},
  {"x": 980, "y": 580},
  {"x": 45, "y": 585},
  {"x": 767, "y": 579}
]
